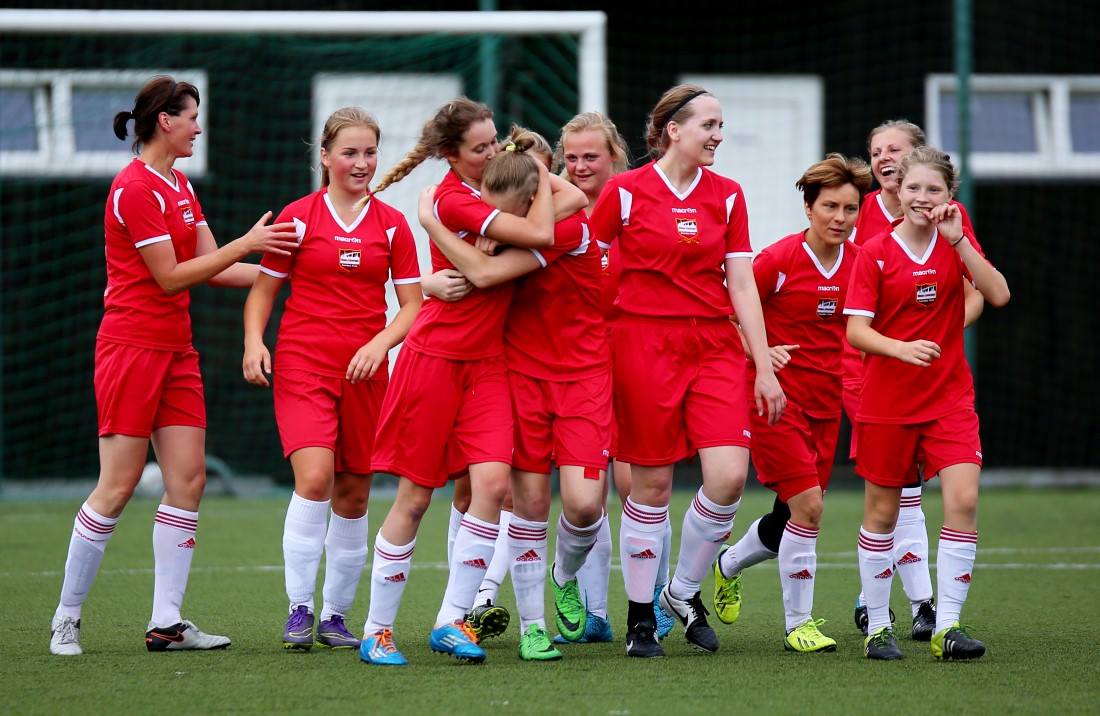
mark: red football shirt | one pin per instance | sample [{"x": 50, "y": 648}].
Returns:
[
  {"x": 875, "y": 218},
  {"x": 612, "y": 265},
  {"x": 555, "y": 329},
  {"x": 803, "y": 305},
  {"x": 338, "y": 281},
  {"x": 908, "y": 298},
  {"x": 472, "y": 327},
  {"x": 144, "y": 208},
  {"x": 673, "y": 245}
]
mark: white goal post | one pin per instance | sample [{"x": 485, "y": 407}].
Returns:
[{"x": 590, "y": 26}]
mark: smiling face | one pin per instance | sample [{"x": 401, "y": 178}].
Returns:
[
  {"x": 888, "y": 148},
  {"x": 479, "y": 144},
  {"x": 922, "y": 188},
  {"x": 697, "y": 137},
  {"x": 351, "y": 159},
  {"x": 588, "y": 160},
  {"x": 181, "y": 130},
  {"x": 834, "y": 213}
]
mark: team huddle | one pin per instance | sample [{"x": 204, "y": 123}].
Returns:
[{"x": 580, "y": 315}]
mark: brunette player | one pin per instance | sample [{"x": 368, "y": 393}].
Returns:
[
  {"x": 802, "y": 280},
  {"x": 332, "y": 368},
  {"x": 147, "y": 380},
  {"x": 678, "y": 367},
  {"x": 906, "y": 310}
]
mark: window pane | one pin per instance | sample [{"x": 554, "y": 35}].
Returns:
[
  {"x": 94, "y": 110},
  {"x": 18, "y": 131},
  {"x": 999, "y": 122},
  {"x": 1084, "y": 121}
]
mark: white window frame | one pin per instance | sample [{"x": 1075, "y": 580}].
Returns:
[
  {"x": 57, "y": 155},
  {"x": 1054, "y": 157}
]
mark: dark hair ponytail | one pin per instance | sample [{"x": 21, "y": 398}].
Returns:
[{"x": 160, "y": 94}]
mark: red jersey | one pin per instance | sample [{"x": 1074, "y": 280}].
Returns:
[
  {"x": 803, "y": 305},
  {"x": 338, "y": 281},
  {"x": 611, "y": 275},
  {"x": 874, "y": 219},
  {"x": 472, "y": 327},
  {"x": 144, "y": 208},
  {"x": 674, "y": 245},
  {"x": 555, "y": 329},
  {"x": 907, "y": 298}
]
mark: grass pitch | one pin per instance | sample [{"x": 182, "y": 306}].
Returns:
[{"x": 1033, "y": 601}]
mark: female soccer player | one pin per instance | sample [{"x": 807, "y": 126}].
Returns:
[
  {"x": 677, "y": 360},
  {"x": 905, "y": 306},
  {"x": 802, "y": 280},
  {"x": 887, "y": 145},
  {"x": 448, "y": 408},
  {"x": 147, "y": 380},
  {"x": 332, "y": 374}
]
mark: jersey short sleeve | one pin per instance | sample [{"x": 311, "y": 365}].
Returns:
[
  {"x": 737, "y": 227},
  {"x": 610, "y": 213},
  {"x": 141, "y": 210},
  {"x": 465, "y": 213},
  {"x": 404, "y": 265},
  {"x": 279, "y": 265},
  {"x": 571, "y": 234},
  {"x": 200, "y": 215},
  {"x": 765, "y": 269},
  {"x": 863, "y": 289}
]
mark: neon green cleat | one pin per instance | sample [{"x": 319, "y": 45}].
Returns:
[
  {"x": 955, "y": 642},
  {"x": 808, "y": 639},
  {"x": 569, "y": 611},
  {"x": 535, "y": 645},
  {"x": 727, "y": 593}
]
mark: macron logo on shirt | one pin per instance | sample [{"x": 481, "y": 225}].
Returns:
[{"x": 347, "y": 240}]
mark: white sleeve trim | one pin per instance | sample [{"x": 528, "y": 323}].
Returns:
[
  {"x": 488, "y": 220},
  {"x": 390, "y": 232},
  {"x": 539, "y": 257},
  {"x": 154, "y": 240},
  {"x": 118, "y": 195},
  {"x": 730, "y": 201},
  {"x": 858, "y": 312},
  {"x": 625, "y": 201},
  {"x": 160, "y": 199},
  {"x": 405, "y": 281},
  {"x": 202, "y": 223},
  {"x": 739, "y": 255},
  {"x": 273, "y": 272},
  {"x": 602, "y": 245}
]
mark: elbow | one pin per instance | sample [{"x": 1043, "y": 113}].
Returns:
[
  {"x": 544, "y": 239},
  {"x": 1000, "y": 299},
  {"x": 481, "y": 278},
  {"x": 170, "y": 287}
]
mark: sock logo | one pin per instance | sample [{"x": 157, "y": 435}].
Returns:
[
  {"x": 804, "y": 574},
  {"x": 188, "y": 544},
  {"x": 478, "y": 563},
  {"x": 723, "y": 538},
  {"x": 644, "y": 554},
  {"x": 885, "y": 574},
  {"x": 909, "y": 558},
  {"x": 399, "y": 577},
  {"x": 964, "y": 578},
  {"x": 529, "y": 556}
]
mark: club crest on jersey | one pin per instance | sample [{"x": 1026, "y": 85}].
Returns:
[
  {"x": 826, "y": 307},
  {"x": 688, "y": 229},
  {"x": 349, "y": 259},
  {"x": 926, "y": 293},
  {"x": 185, "y": 209}
]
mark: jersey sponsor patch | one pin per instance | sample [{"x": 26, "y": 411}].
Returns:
[
  {"x": 185, "y": 209},
  {"x": 826, "y": 307},
  {"x": 688, "y": 229},
  {"x": 926, "y": 293},
  {"x": 349, "y": 259}
]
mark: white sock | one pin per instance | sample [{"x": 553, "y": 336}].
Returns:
[
  {"x": 473, "y": 551},
  {"x": 91, "y": 532},
  {"x": 911, "y": 549},
  {"x": 706, "y": 527},
  {"x": 640, "y": 545},
  {"x": 345, "y": 556},
  {"x": 452, "y": 530},
  {"x": 876, "y": 573},
  {"x": 594, "y": 575},
  {"x": 388, "y": 576},
  {"x": 572, "y": 547},
  {"x": 173, "y": 548},
  {"x": 498, "y": 568},
  {"x": 666, "y": 554},
  {"x": 748, "y": 550},
  {"x": 954, "y": 567},
  {"x": 797, "y": 568},
  {"x": 303, "y": 542},
  {"x": 527, "y": 557}
]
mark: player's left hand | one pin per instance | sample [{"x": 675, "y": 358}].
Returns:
[
  {"x": 948, "y": 221},
  {"x": 486, "y": 245},
  {"x": 425, "y": 206},
  {"x": 366, "y": 361},
  {"x": 770, "y": 399}
]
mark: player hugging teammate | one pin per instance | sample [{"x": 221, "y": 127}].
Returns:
[{"x": 642, "y": 329}]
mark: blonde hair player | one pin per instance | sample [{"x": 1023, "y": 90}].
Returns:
[
  {"x": 147, "y": 380},
  {"x": 680, "y": 380},
  {"x": 905, "y": 310},
  {"x": 331, "y": 361}
]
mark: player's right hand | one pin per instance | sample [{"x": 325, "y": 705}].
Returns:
[
  {"x": 257, "y": 362},
  {"x": 919, "y": 352},
  {"x": 274, "y": 239},
  {"x": 446, "y": 285},
  {"x": 486, "y": 245},
  {"x": 425, "y": 205},
  {"x": 781, "y": 355}
]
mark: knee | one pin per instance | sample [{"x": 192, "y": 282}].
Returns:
[
  {"x": 725, "y": 485},
  {"x": 314, "y": 483},
  {"x": 809, "y": 514},
  {"x": 584, "y": 515},
  {"x": 350, "y": 495},
  {"x": 188, "y": 485},
  {"x": 111, "y": 499}
]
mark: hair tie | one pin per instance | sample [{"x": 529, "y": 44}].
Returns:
[
  {"x": 510, "y": 147},
  {"x": 683, "y": 103}
]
